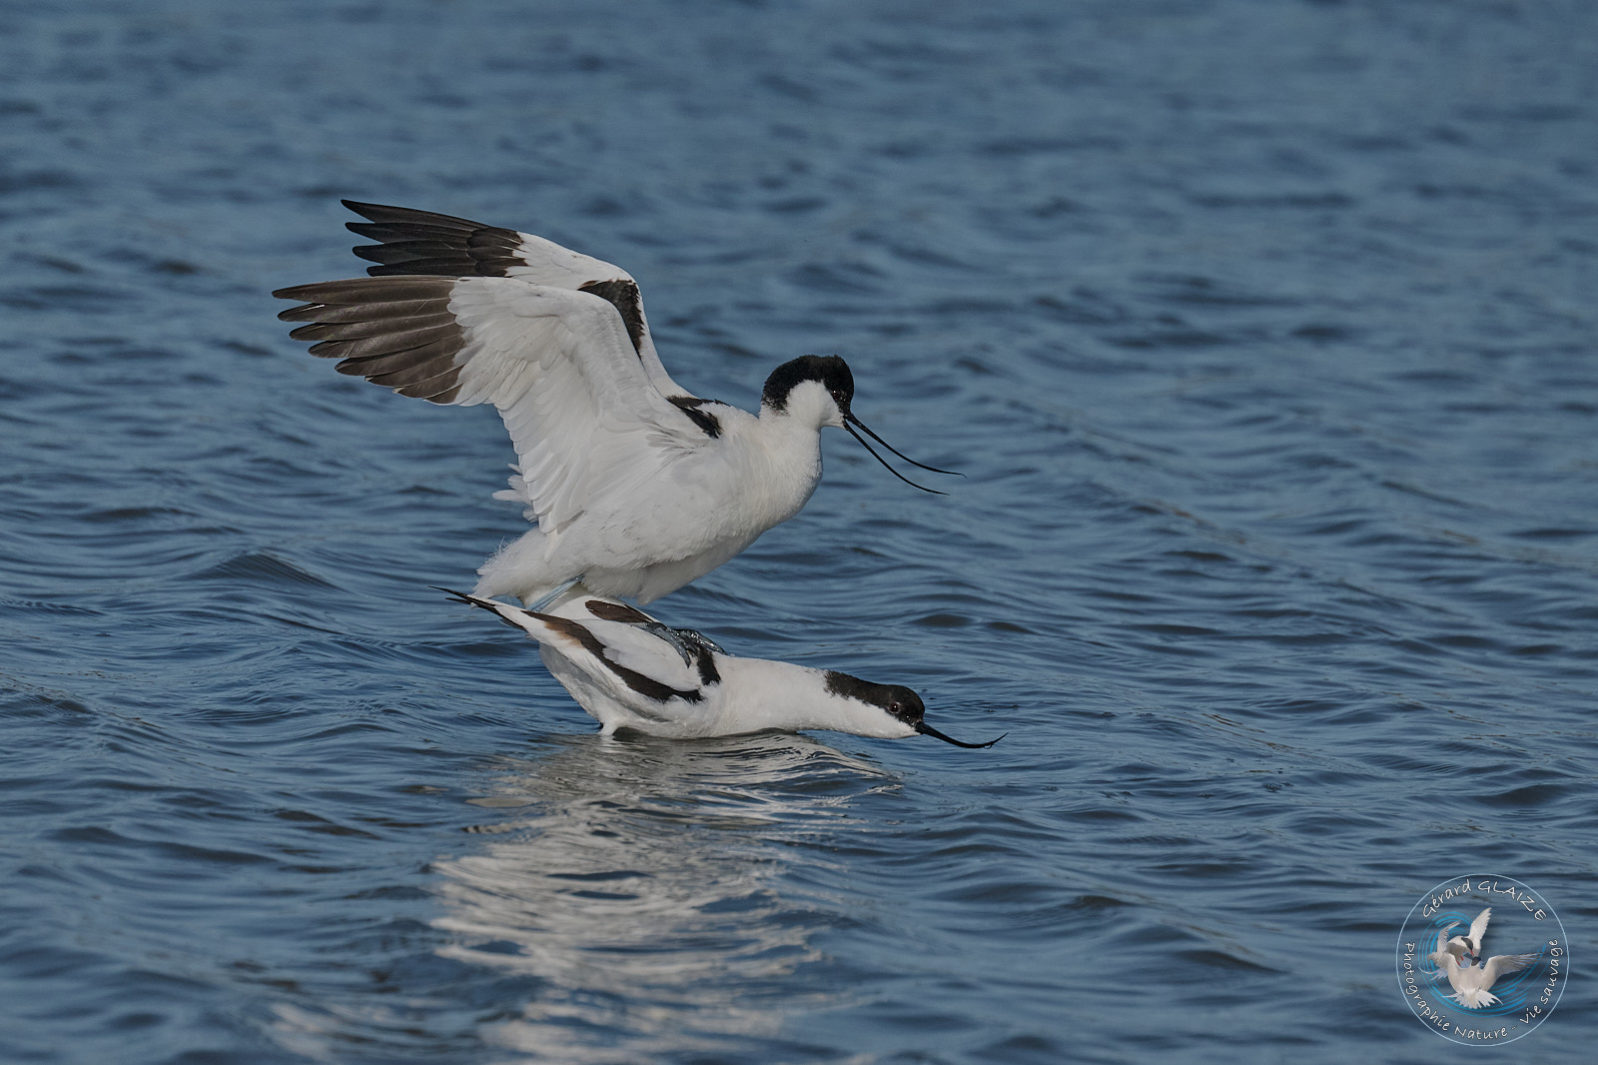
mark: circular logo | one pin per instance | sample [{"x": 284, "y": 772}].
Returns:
[{"x": 1482, "y": 959}]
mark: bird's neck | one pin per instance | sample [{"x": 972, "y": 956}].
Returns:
[
  {"x": 795, "y": 698},
  {"x": 787, "y": 426},
  {"x": 785, "y": 454}
]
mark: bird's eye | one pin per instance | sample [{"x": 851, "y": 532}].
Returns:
[{"x": 895, "y": 707}]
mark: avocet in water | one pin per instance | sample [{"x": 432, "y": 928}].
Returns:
[
  {"x": 630, "y": 670},
  {"x": 637, "y": 485}
]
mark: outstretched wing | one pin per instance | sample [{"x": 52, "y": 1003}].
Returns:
[
  {"x": 1478, "y": 928},
  {"x": 441, "y": 245},
  {"x": 1503, "y": 965},
  {"x": 585, "y": 419}
]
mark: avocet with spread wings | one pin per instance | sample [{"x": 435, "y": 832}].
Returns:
[{"x": 637, "y": 485}]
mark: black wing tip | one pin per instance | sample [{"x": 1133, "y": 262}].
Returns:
[
  {"x": 366, "y": 289},
  {"x": 292, "y": 292},
  {"x": 375, "y": 213},
  {"x": 385, "y": 213},
  {"x": 490, "y": 605}
]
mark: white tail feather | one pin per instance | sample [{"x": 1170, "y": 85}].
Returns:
[{"x": 1475, "y": 998}]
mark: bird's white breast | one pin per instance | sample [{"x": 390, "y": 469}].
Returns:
[{"x": 709, "y": 505}]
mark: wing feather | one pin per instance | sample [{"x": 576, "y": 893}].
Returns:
[
  {"x": 1503, "y": 965},
  {"x": 425, "y": 243},
  {"x": 631, "y": 641},
  {"x": 585, "y": 419},
  {"x": 1442, "y": 940},
  {"x": 1478, "y": 928}
]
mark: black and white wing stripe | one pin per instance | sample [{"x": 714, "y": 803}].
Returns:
[
  {"x": 441, "y": 245},
  {"x": 617, "y": 645},
  {"x": 588, "y": 424}
]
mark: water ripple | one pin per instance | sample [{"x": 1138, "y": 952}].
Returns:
[{"x": 1274, "y": 554}]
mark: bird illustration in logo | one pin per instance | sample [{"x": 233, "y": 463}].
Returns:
[
  {"x": 1472, "y": 940},
  {"x": 1473, "y": 983}
]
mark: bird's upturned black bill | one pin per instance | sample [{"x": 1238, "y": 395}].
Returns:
[
  {"x": 927, "y": 730},
  {"x": 851, "y": 423}
]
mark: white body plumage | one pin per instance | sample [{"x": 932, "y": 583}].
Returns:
[{"x": 661, "y": 524}]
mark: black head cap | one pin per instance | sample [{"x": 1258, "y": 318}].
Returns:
[
  {"x": 899, "y": 702},
  {"x": 830, "y": 370}
]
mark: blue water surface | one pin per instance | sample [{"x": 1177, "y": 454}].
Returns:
[{"x": 1263, "y": 333}]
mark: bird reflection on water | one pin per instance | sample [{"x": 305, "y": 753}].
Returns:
[{"x": 642, "y": 883}]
